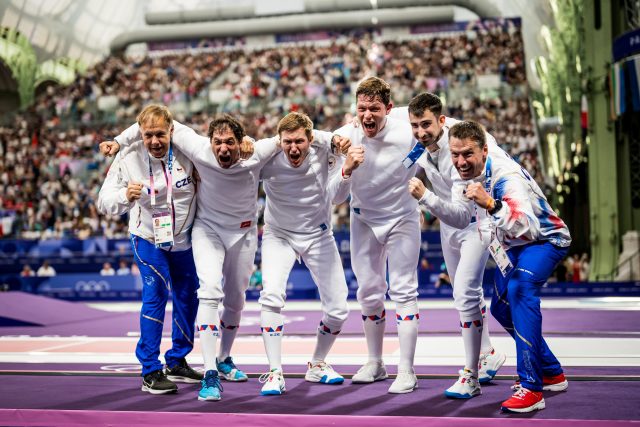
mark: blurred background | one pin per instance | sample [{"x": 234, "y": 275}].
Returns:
[{"x": 555, "y": 81}]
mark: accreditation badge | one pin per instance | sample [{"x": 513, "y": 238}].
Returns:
[
  {"x": 500, "y": 256},
  {"x": 163, "y": 229}
]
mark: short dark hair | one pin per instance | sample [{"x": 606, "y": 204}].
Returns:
[
  {"x": 374, "y": 87},
  {"x": 426, "y": 101},
  {"x": 469, "y": 130},
  {"x": 225, "y": 121}
]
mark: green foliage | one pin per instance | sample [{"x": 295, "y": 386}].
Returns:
[
  {"x": 562, "y": 77},
  {"x": 16, "y": 52}
]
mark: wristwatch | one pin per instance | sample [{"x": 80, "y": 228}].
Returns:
[{"x": 497, "y": 205}]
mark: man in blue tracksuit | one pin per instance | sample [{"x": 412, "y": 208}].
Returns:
[
  {"x": 526, "y": 239},
  {"x": 156, "y": 185}
]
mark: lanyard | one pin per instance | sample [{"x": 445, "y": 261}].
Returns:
[
  {"x": 168, "y": 179},
  {"x": 487, "y": 182},
  {"x": 487, "y": 187}
]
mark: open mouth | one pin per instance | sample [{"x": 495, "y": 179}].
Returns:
[
  {"x": 369, "y": 126},
  {"x": 465, "y": 170},
  {"x": 224, "y": 158},
  {"x": 295, "y": 159},
  {"x": 157, "y": 151}
]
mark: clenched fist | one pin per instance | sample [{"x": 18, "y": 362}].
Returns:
[
  {"x": 475, "y": 191},
  {"x": 342, "y": 143},
  {"x": 416, "y": 188},
  {"x": 246, "y": 147},
  {"x": 355, "y": 157},
  {"x": 109, "y": 148},
  {"x": 134, "y": 190}
]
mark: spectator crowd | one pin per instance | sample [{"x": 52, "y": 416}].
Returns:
[{"x": 51, "y": 171}]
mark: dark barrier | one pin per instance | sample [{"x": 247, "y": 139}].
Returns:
[
  {"x": 82, "y": 286},
  {"x": 87, "y": 256}
]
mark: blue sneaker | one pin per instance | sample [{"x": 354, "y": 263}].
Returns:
[
  {"x": 211, "y": 387},
  {"x": 229, "y": 371}
]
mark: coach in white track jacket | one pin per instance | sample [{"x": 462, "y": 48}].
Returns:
[
  {"x": 155, "y": 183},
  {"x": 224, "y": 234}
]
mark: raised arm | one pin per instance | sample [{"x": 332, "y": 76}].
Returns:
[
  {"x": 322, "y": 138},
  {"x": 400, "y": 113},
  {"x": 265, "y": 149},
  {"x": 189, "y": 142},
  {"x": 186, "y": 139},
  {"x": 456, "y": 212},
  {"x": 338, "y": 187}
]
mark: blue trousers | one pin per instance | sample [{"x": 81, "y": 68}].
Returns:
[
  {"x": 162, "y": 271},
  {"x": 516, "y": 305}
]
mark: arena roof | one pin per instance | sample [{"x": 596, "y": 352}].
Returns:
[{"x": 85, "y": 30}]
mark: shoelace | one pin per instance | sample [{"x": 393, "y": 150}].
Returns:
[
  {"x": 212, "y": 381},
  {"x": 157, "y": 375},
  {"x": 228, "y": 363},
  {"x": 323, "y": 366},
  {"x": 520, "y": 393},
  {"x": 267, "y": 376}
]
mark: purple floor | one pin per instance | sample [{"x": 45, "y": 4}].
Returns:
[
  {"x": 506, "y": 372},
  {"x": 76, "y": 394},
  {"x": 67, "y": 319},
  {"x": 598, "y": 400}
]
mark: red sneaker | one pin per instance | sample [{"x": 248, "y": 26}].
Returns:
[
  {"x": 555, "y": 383},
  {"x": 524, "y": 400}
]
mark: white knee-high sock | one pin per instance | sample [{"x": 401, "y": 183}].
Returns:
[
  {"x": 325, "y": 337},
  {"x": 485, "y": 346},
  {"x": 374, "y": 324},
  {"x": 229, "y": 324},
  {"x": 208, "y": 325},
  {"x": 272, "y": 325},
  {"x": 471, "y": 328},
  {"x": 407, "y": 317}
]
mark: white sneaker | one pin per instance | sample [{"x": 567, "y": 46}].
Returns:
[
  {"x": 273, "y": 383},
  {"x": 466, "y": 387},
  {"x": 405, "y": 382},
  {"x": 322, "y": 373},
  {"x": 489, "y": 364},
  {"x": 370, "y": 372}
]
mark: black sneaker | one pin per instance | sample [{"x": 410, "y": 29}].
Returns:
[
  {"x": 157, "y": 382},
  {"x": 183, "y": 373}
]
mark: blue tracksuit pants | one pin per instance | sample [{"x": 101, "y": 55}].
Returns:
[
  {"x": 516, "y": 305},
  {"x": 162, "y": 271}
]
